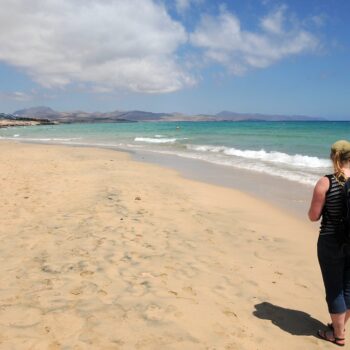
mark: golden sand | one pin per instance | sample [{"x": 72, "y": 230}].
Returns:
[{"x": 102, "y": 252}]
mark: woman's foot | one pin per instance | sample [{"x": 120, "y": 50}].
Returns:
[{"x": 329, "y": 336}]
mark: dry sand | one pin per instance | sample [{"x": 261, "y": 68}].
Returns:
[{"x": 102, "y": 252}]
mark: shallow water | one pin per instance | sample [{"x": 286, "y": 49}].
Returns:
[{"x": 296, "y": 151}]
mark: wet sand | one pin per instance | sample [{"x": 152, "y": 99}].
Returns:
[{"x": 292, "y": 196}]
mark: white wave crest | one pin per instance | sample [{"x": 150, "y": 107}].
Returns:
[
  {"x": 299, "y": 176},
  {"x": 154, "y": 140},
  {"x": 296, "y": 160}
]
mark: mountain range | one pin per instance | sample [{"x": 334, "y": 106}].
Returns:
[{"x": 136, "y": 116}]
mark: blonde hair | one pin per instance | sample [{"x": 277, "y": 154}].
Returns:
[{"x": 338, "y": 159}]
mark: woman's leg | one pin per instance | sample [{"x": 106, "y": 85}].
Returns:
[
  {"x": 347, "y": 285},
  {"x": 333, "y": 266},
  {"x": 347, "y": 316}
]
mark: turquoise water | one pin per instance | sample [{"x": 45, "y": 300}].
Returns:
[{"x": 297, "y": 151}]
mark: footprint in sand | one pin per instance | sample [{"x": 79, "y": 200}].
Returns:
[
  {"x": 173, "y": 292},
  {"x": 76, "y": 291},
  {"x": 138, "y": 290},
  {"x": 258, "y": 255},
  {"x": 85, "y": 288},
  {"x": 229, "y": 313},
  {"x": 80, "y": 252},
  {"x": 100, "y": 242},
  {"x": 86, "y": 273},
  {"x": 102, "y": 292},
  {"x": 50, "y": 269},
  {"x": 233, "y": 346},
  {"x": 154, "y": 313},
  {"x": 263, "y": 238},
  {"x": 189, "y": 290}
]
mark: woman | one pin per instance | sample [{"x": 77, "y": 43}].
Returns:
[{"x": 333, "y": 257}]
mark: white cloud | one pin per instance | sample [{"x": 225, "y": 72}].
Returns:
[
  {"x": 273, "y": 23},
  {"x": 107, "y": 44},
  {"x": 224, "y": 41},
  {"x": 183, "y": 5},
  {"x": 16, "y": 96}
]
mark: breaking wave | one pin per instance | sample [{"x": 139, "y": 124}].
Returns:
[
  {"x": 297, "y": 160},
  {"x": 155, "y": 140}
]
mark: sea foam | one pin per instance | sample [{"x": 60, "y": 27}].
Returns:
[
  {"x": 296, "y": 160},
  {"x": 299, "y": 176},
  {"x": 155, "y": 140}
]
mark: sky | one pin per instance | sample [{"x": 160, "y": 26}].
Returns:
[{"x": 187, "y": 56}]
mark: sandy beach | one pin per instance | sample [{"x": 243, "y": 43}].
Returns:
[{"x": 102, "y": 252}]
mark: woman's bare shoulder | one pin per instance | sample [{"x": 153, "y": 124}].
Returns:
[{"x": 322, "y": 184}]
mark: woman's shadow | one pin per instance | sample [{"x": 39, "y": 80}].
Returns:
[{"x": 292, "y": 321}]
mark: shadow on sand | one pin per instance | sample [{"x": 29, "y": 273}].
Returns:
[{"x": 292, "y": 321}]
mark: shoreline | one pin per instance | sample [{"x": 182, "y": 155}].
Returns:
[
  {"x": 292, "y": 197},
  {"x": 289, "y": 195},
  {"x": 14, "y": 123},
  {"x": 93, "y": 240}
]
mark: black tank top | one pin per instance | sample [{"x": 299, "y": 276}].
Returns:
[{"x": 332, "y": 208}]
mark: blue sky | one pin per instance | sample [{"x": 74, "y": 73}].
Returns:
[{"x": 189, "y": 56}]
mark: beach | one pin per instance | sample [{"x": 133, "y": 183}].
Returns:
[{"x": 99, "y": 251}]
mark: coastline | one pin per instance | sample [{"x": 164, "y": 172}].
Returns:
[
  {"x": 10, "y": 123},
  {"x": 289, "y": 195},
  {"x": 95, "y": 240}
]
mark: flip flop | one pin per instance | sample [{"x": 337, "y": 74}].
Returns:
[{"x": 334, "y": 340}]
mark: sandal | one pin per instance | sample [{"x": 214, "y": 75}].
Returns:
[{"x": 335, "y": 340}]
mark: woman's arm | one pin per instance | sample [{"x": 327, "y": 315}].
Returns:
[{"x": 318, "y": 199}]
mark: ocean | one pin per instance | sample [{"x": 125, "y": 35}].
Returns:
[{"x": 296, "y": 151}]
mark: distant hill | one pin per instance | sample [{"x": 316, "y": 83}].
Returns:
[
  {"x": 136, "y": 116},
  {"x": 94, "y": 117},
  {"x": 38, "y": 112},
  {"x": 141, "y": 115},
  {"x": 227, "y": 115}
]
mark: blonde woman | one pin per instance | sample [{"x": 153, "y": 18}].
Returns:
[{"x": 333, "y": 257}]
